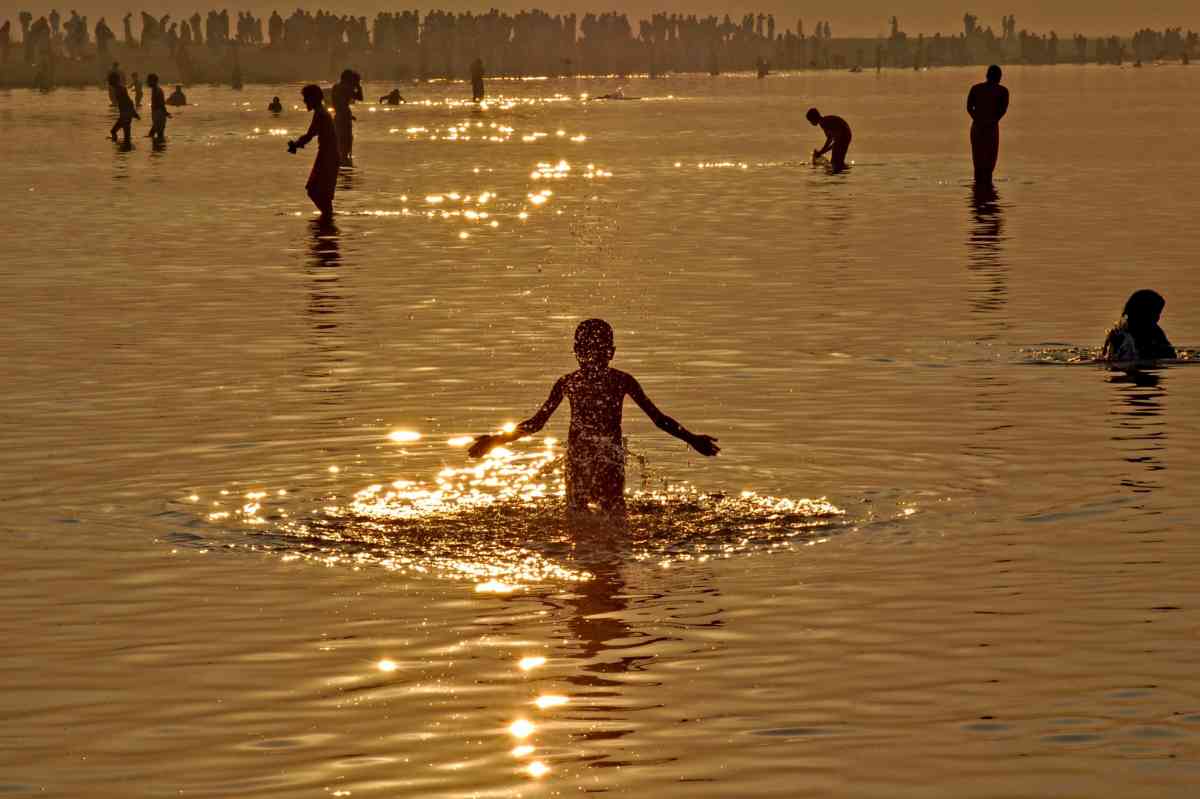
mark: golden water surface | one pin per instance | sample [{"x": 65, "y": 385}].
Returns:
[{"x": 247, "y": 555}]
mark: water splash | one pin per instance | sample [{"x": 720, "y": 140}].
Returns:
[
  {"x": 1070, "y": 356},
  {"x": 502, "y": 523}
]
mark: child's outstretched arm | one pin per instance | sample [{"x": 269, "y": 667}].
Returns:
[
  {"x": 705, "y": 445},
  {"x": 485, "y": 443}
]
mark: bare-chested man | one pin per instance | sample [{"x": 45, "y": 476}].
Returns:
[
  {"x": 987, "y": 103},
  {"x": 837, "y": 137}
]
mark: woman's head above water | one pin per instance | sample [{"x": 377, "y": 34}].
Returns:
[
  {"x": 1144, "y": 307},
  {"x": 594, "y": 342}
]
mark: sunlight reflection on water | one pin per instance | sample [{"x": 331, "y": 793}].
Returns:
[{"x": 502, "y": 522}]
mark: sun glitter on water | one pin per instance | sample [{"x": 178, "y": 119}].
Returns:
[{"x": 501, "y": 523}]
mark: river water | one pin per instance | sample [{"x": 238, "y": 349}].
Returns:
[{"x": 936, "y": 556}]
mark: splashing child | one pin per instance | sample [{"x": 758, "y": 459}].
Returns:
[{"x": 595, "y": 473}]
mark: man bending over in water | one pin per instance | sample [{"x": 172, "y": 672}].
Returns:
[
  {"x": 837, "y": 137},
  {"x": 595, "y": 451}
]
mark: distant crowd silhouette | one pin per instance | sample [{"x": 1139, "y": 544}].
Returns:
[{"x": 443, "y": 44}]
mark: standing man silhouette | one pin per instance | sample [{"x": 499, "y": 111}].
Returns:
[
  {"x": 987, "y": 103},
  {"x": 477, "y": 80},
  {"x": 344, "y": 94}
]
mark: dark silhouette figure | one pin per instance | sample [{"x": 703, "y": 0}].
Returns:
[
  {"x": 275, "y": 107},
  {"x": 113, "y": 78},
  {"x": 762, "y": 68},
  {"x": 1136, "y": 336},
  {"x": 177, "y": 97},
  {"x": 837, "y": 137},
  {"x": 1139, "y": 428},
  {"x": 344, "y": 94},
  {"x": 322, "y": 181},
  {"x": 987, "y": 103},
  {"x": 137, "y": 90},
  {"x": 391, "y": 98},
  {"x": 126, "y": 113},
  {"x": 158, "y": 110},
  {"x": 477, "y": 80},
  {"x": 595, "y": 472}
]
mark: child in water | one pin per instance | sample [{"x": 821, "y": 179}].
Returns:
[
  {"x": 595, "y": 452},
  {"x": 1136, "y": 336}
]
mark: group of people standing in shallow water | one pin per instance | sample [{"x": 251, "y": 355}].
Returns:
[
  {"x": 987, "y": 103},
  {"x": 118, "y": 95},
  {"x": 595, "y": 458}
]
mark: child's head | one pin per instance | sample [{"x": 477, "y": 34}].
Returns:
[
  {"x": 813, "y": 116},
  {"x": 313, "y": 96},
  {"x": 1144, "y": 307},
  {"x": 152, "y": 79},
  {"x": 594, "y": 343}
]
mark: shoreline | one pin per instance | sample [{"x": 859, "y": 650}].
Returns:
[{"x": 202, "y": 65}]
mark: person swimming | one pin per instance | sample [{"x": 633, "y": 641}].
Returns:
[
  {"x": 177, "y": 97},
  {"x": 158, "y": 109},
  {"x": 1136, "y": 336},
  {"x": 595, "y": 470},
  {"x": 322, "y": 181},
  {"x": 391, "y": 98},
  {"x": 987, "y": 104},
  {"x": 275, "y": 107},
  {"x": 837, "y": 137},
  {"x": 619, "y": 94}
]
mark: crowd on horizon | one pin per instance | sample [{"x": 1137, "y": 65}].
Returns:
[{"x": 536, "y": 42}]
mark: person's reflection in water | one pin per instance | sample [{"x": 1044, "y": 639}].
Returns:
[
  {"x": 608, "y": 647},
  {"x": 121, "y": 151},
  {"x": 325, "y": 306},
  {"x": 991, "y": 411},
  {"x": 1139, "y": 428},
  {"x": 985, "y": 254}
]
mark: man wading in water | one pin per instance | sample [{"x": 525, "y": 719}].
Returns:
[
  {"x": 987, "y": 103},
  {"x": 322, "y": 181}
]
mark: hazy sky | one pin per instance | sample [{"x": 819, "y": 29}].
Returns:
[{"x": 847, "y": 18}]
